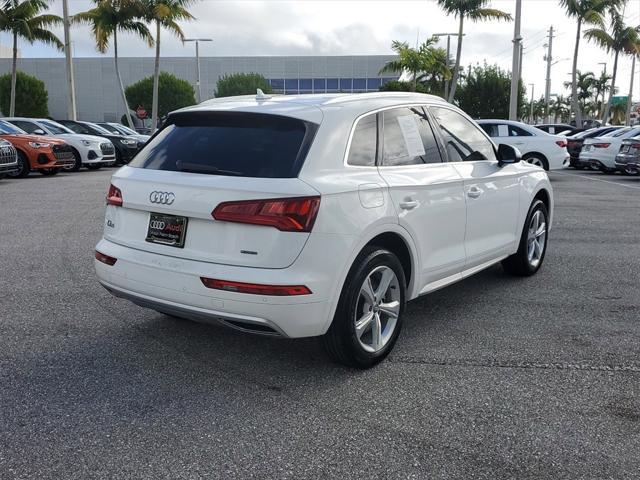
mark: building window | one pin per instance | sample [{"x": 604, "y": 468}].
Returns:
[
  {"x": 291, "y": 85},
  {"x": 359, "y": 84},
  {"x": 374, "y": 83},
  {"x": 306, "y": 84},
  {"x": 345, "y": 84},
  {"x": 277, "y": 84},
  {"x": 319, "y": 85},
  {"x": 332, "y": 84}
]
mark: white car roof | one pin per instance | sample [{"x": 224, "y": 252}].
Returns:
[{"x": 313, "y": 107}]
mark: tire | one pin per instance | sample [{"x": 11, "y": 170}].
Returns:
[
  {"x": 24, "y": 167},
  {"x": 536, "y": 159},
  {"x": 77, "y": 162},
  {"x": 94, "y": 167},
  {"x": 49, "y": 172},
  {"x": 522, "y": 263},
  {"x": 364, "y": 348}
]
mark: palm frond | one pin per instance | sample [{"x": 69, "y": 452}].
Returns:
[
  {"x": 489, "y": 14},
  {"x": 600, "y": 37}
]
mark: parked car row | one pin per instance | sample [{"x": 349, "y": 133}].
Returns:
[
  {"x": 608, "y": 149},
  {"x": 46, "y": 146}
]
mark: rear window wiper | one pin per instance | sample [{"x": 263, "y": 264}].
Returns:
[{"x": 200, "y": 168}]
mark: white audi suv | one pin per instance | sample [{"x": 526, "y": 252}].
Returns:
[{"x": 318, "y": 215}]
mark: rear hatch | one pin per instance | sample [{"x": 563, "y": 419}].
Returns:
[{"x": 223, "y": 161}]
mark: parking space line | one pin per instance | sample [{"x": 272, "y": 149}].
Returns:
[{"x": 637, "y": 187}]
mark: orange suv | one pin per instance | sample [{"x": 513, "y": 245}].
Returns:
[{"x": 35, "y": 152}]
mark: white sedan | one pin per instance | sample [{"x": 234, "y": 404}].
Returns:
[
  {"x": 89, "y": 151},
  {"x": 537, "y": 147},
  {"x": 600, "y": 152},
  {"x": 318, "y": 215}
]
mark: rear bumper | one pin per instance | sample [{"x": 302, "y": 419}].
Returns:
[
  {"x": 601, "y": 165},
  {"x": 558, "y": 161},
  {"x": 172, "y": 285},
  {"x": 628, "y": 166}
]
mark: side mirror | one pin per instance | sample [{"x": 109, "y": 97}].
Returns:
[
  {"x": 39, "y": 131},
  {"x": 508, "y": 154}
]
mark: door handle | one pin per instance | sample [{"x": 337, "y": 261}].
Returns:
[
  {"x": 474, "y": 192},
  {"x": 408, "y": 204}
]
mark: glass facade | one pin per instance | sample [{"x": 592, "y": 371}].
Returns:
[{"x": 294, "y": 86}]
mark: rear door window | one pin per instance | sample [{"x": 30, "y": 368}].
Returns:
[
  {"x": 229, "y": 143},
  {"x": 408, "y": 138}
]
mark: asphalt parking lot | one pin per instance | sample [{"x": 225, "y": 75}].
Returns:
[{"x": 494, "y": 377}]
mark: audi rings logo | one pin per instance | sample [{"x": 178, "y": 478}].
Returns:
[
  {"x": 157, "y": 224},
  {"x": 163, "y": 198}
]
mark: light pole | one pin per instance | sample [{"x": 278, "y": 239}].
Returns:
[
  {"x": 71, "y": 101},
  {"x": 198, "y": 40},
  {"x": 604, "y": 70},
  {"x": 531, "y": 103},
  {"x": 516, "y": 64},
  {"x": 547, "y": 87},
  {"x": 448, "y": 35}
]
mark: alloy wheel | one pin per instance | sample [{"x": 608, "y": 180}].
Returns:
[
  {"x": 536, "y": 238},
  {"x": 536, "y": 161},
  {"x": 377, "y": 309}
]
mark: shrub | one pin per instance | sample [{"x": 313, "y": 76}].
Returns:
[
  {"x": 32, "y": 97},
  {"x": 173, "y": 93},
  {"x": 400, "y": 86},
  {"x": 241, "y": 84}
]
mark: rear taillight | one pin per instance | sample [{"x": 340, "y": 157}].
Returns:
[
  {"x": 285, "y": 214},
  {"x": 561, "y": 143},
  {"x": 635, "y": 145},
  {"x": 114, "y": 196},
  {"x": 106, "y": 259},
  {"x": 255, "y": 288},
  {"x": 601, "y": 145}
]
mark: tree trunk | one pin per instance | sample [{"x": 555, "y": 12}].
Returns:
[
  {"x": 630, "y": 97},
  {"x": 14, "y": 74},
  {"x": 574, "y": 80},
  {"x": 127, "y": 112},
  {"x": 454, "y": 80},
  {"x": 607, "y": 108},
  {"x": 156, "y": 80}
]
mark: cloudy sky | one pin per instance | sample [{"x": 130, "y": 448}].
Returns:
[{"x": 334, "y": 27}]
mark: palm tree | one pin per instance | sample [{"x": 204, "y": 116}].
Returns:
[
  {"x": 164, "y": 13},
  {"x": 560, "y": 108},
  {"x": 23, "y": 19},
  {"x": 425, "y": 63},
  {"x": 106, "y": 19},
  {"x": 622, "y": 39},
  {"x": 585, "y": 85},
  {"x": 601, "y": 86},
  {"x": 474, "y": 10},
  {"x": 590, "y": 12}
]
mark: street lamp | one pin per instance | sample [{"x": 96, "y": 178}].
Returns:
[
  {"x": 605, "y": 66},
  {"x": 448, "y": 35},
  {"x": 531, "y": 103},
  {"x": 198, "y": 40}
]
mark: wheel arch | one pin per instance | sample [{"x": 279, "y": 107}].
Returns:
[
  {"x": 536, "y": 153},
  {"x": 394, "y": 238}
]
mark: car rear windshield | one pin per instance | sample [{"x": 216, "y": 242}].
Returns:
[{"x": 229, "y": 143}]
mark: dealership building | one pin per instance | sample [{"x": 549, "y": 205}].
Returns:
[{"x": 98, "y": 98}]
